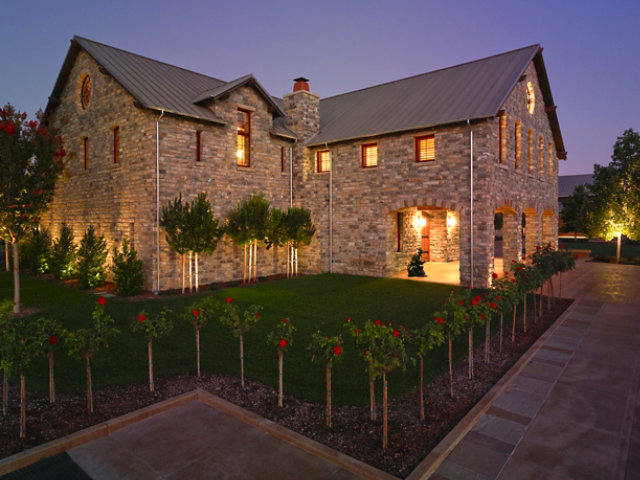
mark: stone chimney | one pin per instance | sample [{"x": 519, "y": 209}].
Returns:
[{"x": 302, "y": 109}]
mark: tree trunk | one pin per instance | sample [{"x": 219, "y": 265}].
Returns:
[
  {"x": 255, "y": 260},
  {"x": 421, "y": 387},
  {"x": 52, "y": 385},
  {"x": 372, "y": 393},
  {"x": 280, "y": 377},
  {"x": 250, "y": 279},
  {"x": 7, "y": 262},
  {"x": 150, "y": 355},
  {"x": 244, "y": 266},
  {"x": 89, "y": 387},
  {"x": 241, "y": 362},
  {"x": 295, "y": 256},
  {"x": 513, "y": 326},
  {"x": 16, "y": 277},
  {"x": 288, "y": 260},
  {"x": 524, "y": 315},
  {"x": 198, "y": 349},
  {"x": 197, "y": 277},
  {"x": 5, "y": 393},
  {"x": 470, "y": 353},
  {"x": 191, "y": 271},
  {"x": 487, "y": 339},
  {"x": 184, "y": 279},
  {"x": 23, "y": 406},
  {"x": 450, "y": 369},
  {"x": 385, "y": 413},
  {"x": 618, "y": 247},
  {"x": 329, "y": 395},
  {"x": 501, "y": 330}
]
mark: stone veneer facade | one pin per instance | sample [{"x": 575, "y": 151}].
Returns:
[{"x": 357, "y": 233}]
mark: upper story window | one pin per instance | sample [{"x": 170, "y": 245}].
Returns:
[
  {"x": 369, "y": 154},
  {"x": 531, "y": 161},
  {"x": 85, "y": 154},
  {"x": 244, "y": 138},
  {"x": 116, "y": 144},
  {"x": 425, "y": 148},
  {"x": 531, "y": 98},
  {"x": 517, "y": 144},
  {"x": 85, "y": 91},
  {"x": 323, "y": 161},
  {"x": 541, "y": 154},
  {"x": 502, "y": 138},
  {"x": 198, "y": 145},
  {"x": 550, "y": 160}
]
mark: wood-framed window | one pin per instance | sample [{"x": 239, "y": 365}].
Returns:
[
  {"x": 517, "y": 144},
  {"x": 198, "y": 145},
  {"x": 323, "y": 161},
  {"x": 400, "y": 230},
  {"x": 369, "y": 155},
  {"x": 116, "y": 144},
  {"x": 541, "y": 154},
  {"x": 550, "y": 160},
  {"x": 502, "y": 138},
  {"x": 85, "y": 152},
  {"x": 425, "y": 148},
  {"x": 531, "y": 161},
  {"x": 244, "y": 138}
]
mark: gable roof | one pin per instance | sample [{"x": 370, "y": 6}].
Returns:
[
  {"x": 156, "y": 85},
  {"x": 473, "y": 90}
]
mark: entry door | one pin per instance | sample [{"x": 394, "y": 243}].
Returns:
[{"x": 426, "y": 244}]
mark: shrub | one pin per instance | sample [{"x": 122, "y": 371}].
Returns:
[
  {"x": 36, "y": 251},
  {"x": 64, "y": 254},
  {"x": 92, "y": 257},
  {"x": 127, "y": 270}
]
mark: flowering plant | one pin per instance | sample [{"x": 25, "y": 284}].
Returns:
[{"x": 153, "y": 326}]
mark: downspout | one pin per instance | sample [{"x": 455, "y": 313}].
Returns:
[
  {"x": 291, "y": 173},
  {"x": 330, "y": 209},
  {"x": 471, "y": 195},
  {"x": 157, "y": 289}
]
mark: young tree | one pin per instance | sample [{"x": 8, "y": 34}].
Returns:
[
  {"x": 327, "y": 350},
  {"x": 198, "y": 314},
  {"x": 31, "y": 159},
  {"x": 92, "y": 258},
  {"x": 364, "y": 343},
  {"x": 425, "y": 339},
  {"x": 202, "y": 231},
  {"x": 64, "y": 254},
  {"x": 240, "y": 324},
  {"x": 174, "y": 220},
  {"x": 49, "y": 331},
  {"x": 452, "y": 317},
  {"x": 86, "y": 342},
  {"x": 298, "y": 231},
  {"x": 153, "y": 328},
  {"x": 281, "y": 338}
]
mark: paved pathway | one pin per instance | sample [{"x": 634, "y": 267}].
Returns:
[{"x": 573, "y": 412}]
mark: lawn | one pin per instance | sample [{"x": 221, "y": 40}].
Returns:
[
  {"x": 313, "y": 302},
  {"x": 604, "y": 249}
]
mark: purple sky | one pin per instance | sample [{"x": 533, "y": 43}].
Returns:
[{"x": 591, "y": 49}]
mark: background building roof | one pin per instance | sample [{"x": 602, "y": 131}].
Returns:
[{"x": 568, "y": 183}]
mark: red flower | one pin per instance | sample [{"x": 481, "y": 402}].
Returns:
[
  {"x": 461, "y": 302},
  {"x": 284, "y": 320},
  {"x": 396, "y": 333},
  {"x": 474, "y": 302},
  {"x": 142, "y": 317},
  {"x": 53, "y": 340},
  {"x": 357, "y": 331},
  {"x": 538, "y": 248},
  {"x": 439, "y": 320},
  {"x": 513, "y": 280},
  {"x": 257, "y": 315},
  {"x": 478, "y": 297},
  {"x": 519, "y": 269},
  {"x": 348, "y": 319},
  {"x": 228, "y": 299},
  {"x": 10, "y": 129},
  {"x": 196, "y": 312},
  {"x": 494, "y": 305},
  {"x": 32, "y": 124},
  {"x": 102, "y": 301},
  {"x": 337, "y": 350},
  {"x": 1, "y": 126},
  {"x": 494, "y": 275},
  {"x": 24, "y": 115},
  {"x": 377, "y": 322},
  {"x": 487, "y": 303},
  {"x": 62, "y": 153},
  {"x": 282, "y": 343},
  {"x": 481, "y": 317},
  {"x": 562, "y": 246}
]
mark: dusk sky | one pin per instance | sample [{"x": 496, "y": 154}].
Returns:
[{"x": 591, "y": 50}]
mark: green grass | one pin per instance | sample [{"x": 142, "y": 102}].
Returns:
[
  {"x": 604, "y": 249},
  {"x": 313, "y": 302}
]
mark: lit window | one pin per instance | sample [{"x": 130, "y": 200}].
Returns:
[
  {"x": 541, "y": 154},
  {"x": 323, "y": 161},
  {"x": 531, "y": 164},
  {"x": 198, "y": 145},
  {"x": 85, "y": 146},
  {"x": 517, "y": 141},
  {"x": 502, "y": 136},
  {"x": 369, "y": 155},
  {"x": 550, "y": 160},
  {"x": 116, "y": 144},
  {"x": 425, "y": 148},
  {"x": 400, "y": 230},
  {"x": 531, "y": 98},
  {"x": 85, "y": 91},
  {"x": 244, "y": 138}
]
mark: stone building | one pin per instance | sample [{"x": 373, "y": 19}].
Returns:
[{"x": 424, "y": 161}]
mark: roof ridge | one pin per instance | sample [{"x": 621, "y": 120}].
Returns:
[
  {"x": 432, "y": 71},
  {"x": 78, "y": 37}
]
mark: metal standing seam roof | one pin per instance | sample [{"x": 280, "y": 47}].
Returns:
[{"x": 472, "y": 90}]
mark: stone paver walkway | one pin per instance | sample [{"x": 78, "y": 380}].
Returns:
[{"x": 573, "y": 412}]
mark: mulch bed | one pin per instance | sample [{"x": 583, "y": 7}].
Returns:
[{"x": 410, "y": 439}]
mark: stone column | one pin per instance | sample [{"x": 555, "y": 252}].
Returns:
[
  {"x": 549, "y": 229},
  {"x": 511, "y": 238},
  {"x": 532, "y": 233}
]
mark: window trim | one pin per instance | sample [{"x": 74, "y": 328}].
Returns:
[
  {"x": 363, "y": 156},
  {"x": 416, "y": 148},
  {"x": 247, "y": 135},
  {"x": 319, "y": 153}
]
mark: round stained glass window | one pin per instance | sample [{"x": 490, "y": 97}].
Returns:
[{"x": 85, "y": 92}]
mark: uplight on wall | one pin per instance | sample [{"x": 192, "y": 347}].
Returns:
[
  {"x": 419, "y": 221},
  {"x": 451, "y": 221}
]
